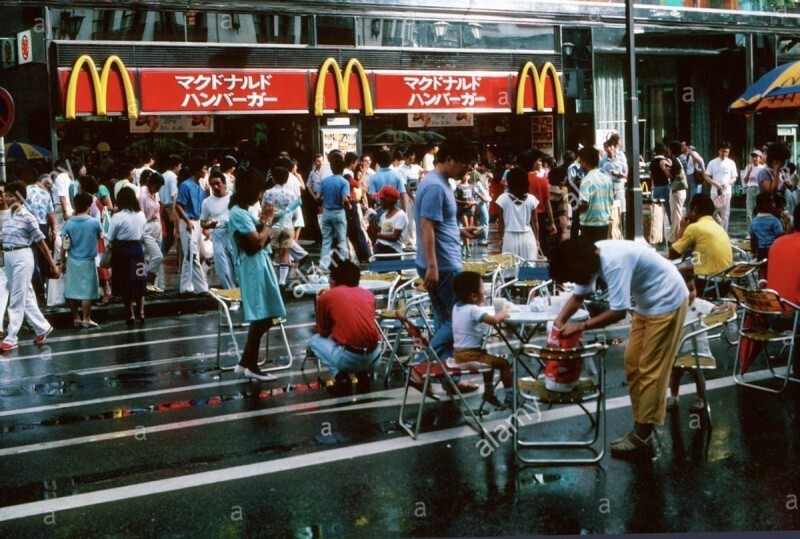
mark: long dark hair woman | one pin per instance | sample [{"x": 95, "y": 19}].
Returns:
[
  {"x": 250, "y": 243},
  {"x": 128, "y": 270}
]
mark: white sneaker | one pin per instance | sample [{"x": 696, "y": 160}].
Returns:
[{"x": 260, "y": 377}]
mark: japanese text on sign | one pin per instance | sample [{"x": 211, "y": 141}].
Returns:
[
  {"x": 447, "y": 90},
  {"x": 217, "y": 89}
]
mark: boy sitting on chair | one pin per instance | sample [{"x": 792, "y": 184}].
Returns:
[
  {"x": 347, "y": 338},
  {"x": 468, "y": 318}
]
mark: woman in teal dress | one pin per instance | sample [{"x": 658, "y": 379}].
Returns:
[{"x": 250, "y": 241}]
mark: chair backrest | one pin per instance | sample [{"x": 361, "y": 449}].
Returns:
[
  {"x": 413, "y": 331},
  {"x": 742, "y": 269},
  {"x": 481, "y": 268},
  {"x": 761, "y": 301},
  {"x": 505, "y": 260},
  {"x": 718, "y": 317},
  {"x": 528, "y": 273},
  {"x": 377, "y": 265},
  {"x": 565, "y": 354}
]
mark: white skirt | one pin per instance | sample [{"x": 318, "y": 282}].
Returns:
[{"x": 522, "y": 244}]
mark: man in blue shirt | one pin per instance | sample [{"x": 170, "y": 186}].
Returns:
[
  {"x": 335, "y": 193},
  {"x": 386, "y": 176},
  {"x": 439, "y": 239},
  {"x": 187, "y": 209}
]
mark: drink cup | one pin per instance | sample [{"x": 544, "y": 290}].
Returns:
[{"x": 499, "y": 305}]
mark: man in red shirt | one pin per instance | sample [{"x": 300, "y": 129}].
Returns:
[
  {"x": 539, "y": 186},
  {"x": 783, "y": 272},
  {"x": 347, "y": 338}
]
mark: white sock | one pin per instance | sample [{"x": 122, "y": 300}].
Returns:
[{"x": 283, "y": 273}]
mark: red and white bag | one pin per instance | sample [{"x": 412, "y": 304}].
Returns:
[{"x": 561, "y": 376}]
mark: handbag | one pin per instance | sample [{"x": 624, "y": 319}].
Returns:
[
  {"x": 720, "y": 201},
  {"x": 55, "y": 291},
  {"x": 679, "y": 183},
  {"x": 105, "y": 261}
]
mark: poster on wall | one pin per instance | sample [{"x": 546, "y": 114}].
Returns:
[
  {"x": 344, "y": 140},
  {"x": 542, "y": 133},
  {"x": 440, "y": 119},
  {"x": 203, "y": 123}
]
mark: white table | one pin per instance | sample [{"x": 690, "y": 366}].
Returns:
[{"x": 311, "y": 289}]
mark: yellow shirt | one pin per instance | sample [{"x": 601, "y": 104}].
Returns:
[{"x": 709, "y": 244}]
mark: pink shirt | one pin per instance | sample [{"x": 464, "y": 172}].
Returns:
[{"x": 150, "y": 206}]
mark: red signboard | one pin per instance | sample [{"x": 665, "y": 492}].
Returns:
[
  {"x": 412, "y": 91},
  {"x": 189, "y": 91}
]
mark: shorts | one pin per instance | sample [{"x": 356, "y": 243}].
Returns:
[
  {"x": 281, "y": 239},
  {"x": 476, "y": 355},
  {"x": 465, "y": 213}
]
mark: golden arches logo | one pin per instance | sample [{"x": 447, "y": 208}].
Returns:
[
  {"x": 100, "y": 84},
  {"x": 539, "y": 80},
  {"x": 342, "y": 86}
]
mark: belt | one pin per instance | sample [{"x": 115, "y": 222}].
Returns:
[
  {"x": 361, "y": 351},
  {"x": 8, "y": 249}
]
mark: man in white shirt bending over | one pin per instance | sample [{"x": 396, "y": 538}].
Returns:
[{"x": 721, "y": 173}]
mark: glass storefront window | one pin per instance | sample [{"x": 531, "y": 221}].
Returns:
[
  {"x": 117, "y": 25},
  {"x": 377, "y": 32},
  {"x": 336, "y": 31}
]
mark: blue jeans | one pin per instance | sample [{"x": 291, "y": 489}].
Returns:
[
  {"x": 483, "y": 220},
  {"x": 692, "y": 189},
  {"x": 663, "y": 193},
  {"x": 338, "y": 359},
  {"x": 443, "y": 299},
  {"x": 334, "y": 230}
]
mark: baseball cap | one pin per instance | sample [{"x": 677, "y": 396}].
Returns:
[
  {"x": 757, "y": 153},
  {"x": 389, "y": 193}
]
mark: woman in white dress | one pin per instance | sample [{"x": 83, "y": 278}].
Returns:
[{"x": 517, "y": 223}]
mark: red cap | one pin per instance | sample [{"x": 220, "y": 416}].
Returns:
[{"x": 389, "y": 193}]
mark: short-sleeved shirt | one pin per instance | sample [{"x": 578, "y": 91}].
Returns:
[
  {"x": 387, "y": 176},
  {"x": 710, "y": 246},
  {"x": 347, "y": 315},
  {"x": 465, "y": 192},
  {"x": 150, "y": 205},
  {"x": 332, "y": 189},
  {"x": 517, "y": 216},
  {"x": 102, "y": 192},
  {"x": 20, "y": 229},
  {"x": 169, "y": 190},
  {"x": 783, "y": 271},
  {"x": 634, "y": 271},
  {"x": 411, "y": 174},
  {"x": 39, "y": 203},
  {"x": 83, "y": 232},
  {"x": 480, "y": 190},
  {"x": 618, "y": 165},
  {"x": 766, "y": 228},
  {"x": 127, "y": 226},
  {"x": 314, "y": 180},
  {"x": 722, "y": 172},
  {"x": 539, "y": 187},
  {"x": 753, "y": 179},
  {"x": 61, "y": 189},
  {"x": 190, "y": 197},
  {"x": 399, "y": 221},
  {"x": 597, "y": 191},
  {"x": 467, "y": 326},
  {"x": 216, "y": 208},
  {"x": 282, "y": 197},
  {"x": 435, "y": 201}
]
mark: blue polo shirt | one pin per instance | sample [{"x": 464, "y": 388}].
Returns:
[
  {"x": 332, "y": 189},
  {"x": 387, "y": 176},
  {"x": 435, "y": 201},
  {"x": 190, "y": 197}
]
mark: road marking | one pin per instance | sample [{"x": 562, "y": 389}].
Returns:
[{"x": 249, "y": 471}]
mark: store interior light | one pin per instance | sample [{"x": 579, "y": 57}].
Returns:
[
  {"x": 70, "y": 24},
  {"x": 475, "y": 28},
  {"x": 440, "y": 28},
  {"x": 568, "y": 48}
]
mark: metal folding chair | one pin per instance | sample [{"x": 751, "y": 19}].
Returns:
[
  {"x": 534, "y": 276},
  {"x": 223, "y": 299},
  {"x": 586, "y": 391},
  {"x": 435, "y": 367},
  {"x": 403, "y": 267},
  {"x": 740, "y": 273},
  {"x": 762, "y": 311},
  {"x": 393, "y": 329}
]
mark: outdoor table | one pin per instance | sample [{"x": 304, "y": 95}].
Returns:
[{"x": 311, "y": 289}]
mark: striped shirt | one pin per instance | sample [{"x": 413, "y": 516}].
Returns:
[
  {"x": 597, "y": 191},
  {"x": 20, "y": 229}
]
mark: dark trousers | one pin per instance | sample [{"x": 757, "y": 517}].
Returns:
[
  {"x": 168, "y": 226},
  {"x": 40, "y": 267},
  {"x": 381, "y": 249},
  {"x": 594, "y": 233},
  {"x": 356, "y": 234}
]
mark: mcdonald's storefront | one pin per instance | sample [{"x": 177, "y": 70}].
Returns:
[{"x": 302, "y": 110}]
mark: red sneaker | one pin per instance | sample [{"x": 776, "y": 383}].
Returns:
[
  {"x": 43, "y": 337},
  {"x": 7, "y": 347}
]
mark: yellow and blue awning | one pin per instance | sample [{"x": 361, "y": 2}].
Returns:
[{"x": 778, "y": 89}]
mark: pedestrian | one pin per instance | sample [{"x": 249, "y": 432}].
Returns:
[
  {"x": 99, "y": 211},
  {"x": 393, "y": 224},
  {"x": 250, "y": 244},
  {"x": 355, "y": 220},
  {"x": 124, "y": 177},
  {"x": 335, "y": 192},
  {"x": 636, "y": 277},
  {"x": 517, "y": 223},
  {"x": 678, "y": 187},
  {"x": 60, "y": 193},
  {"x": 79, "y": 171},
  {"x": 721, "y": 174},
  {"x": 347, "y": 338},
  {"x": 560, "y": 205},
  {"x": 615, "y": 165},
  {"x": 790, "y": 194},
  {"x": 150, "y": 202},
  {"x": 78, "y": 262},
  {"x": 439, "y": 239},
  {"x": 187, "y": 208},
  {"x": 282, "y": 197},
  {"x": 483, "y": 200},
  {"x": 428, "y": 160},
  {"x": 660, "y": 177},
  {"x": 297, "y": 186},
  {"x": 146, "y": 162},
  {"x": 40, "y": 204},
  {"x": 771, "y": 178},
  {"x": 468, "y": 332},
  {"x": 214, "y": 217},
  {"x": 693, "y": 165},
  {"x": 20, "y": 232},
  {"x": 168, "y": 194},
  {"x": 412, "y": 173},
  {"x": 465, "y": 198},
  {"x": 386, "y": 175},
  {"x": 4, "y": 212},
  {"x": 228, "y": 168},
  {"x": 539, "y": 186},
  {"x": 574, "y": 176},
  {"x": 750, "y": 180},
  {"x": 596, "y": 197},
  {"x": 128, "y": 269}
]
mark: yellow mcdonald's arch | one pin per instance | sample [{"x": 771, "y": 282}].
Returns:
[
  {"x": 342, "y": 86},
  {"x": 100, "y": 84},
  {"x": 539, "y": 80}
]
